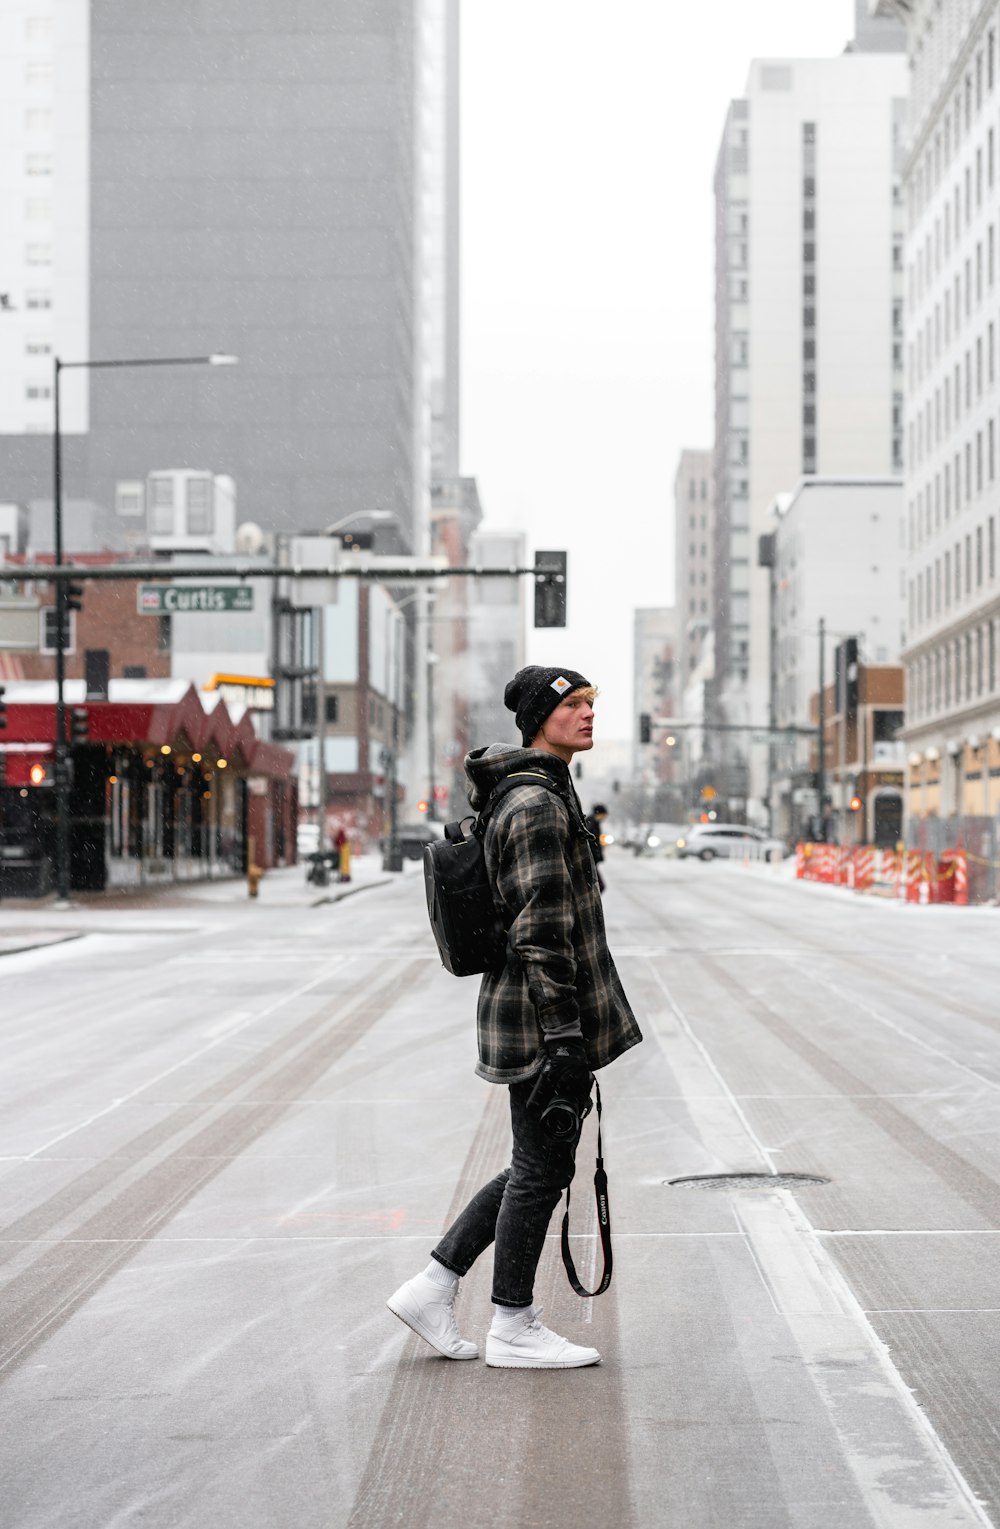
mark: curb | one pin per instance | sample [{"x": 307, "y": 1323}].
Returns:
[
  {"x": 59, "y": 939},
  {"x": 366, "y": 886}
]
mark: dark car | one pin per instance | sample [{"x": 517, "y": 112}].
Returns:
[{"x": 412, "y": 837}]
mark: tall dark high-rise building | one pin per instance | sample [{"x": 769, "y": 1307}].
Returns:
[{"x": 273, "y": 180}]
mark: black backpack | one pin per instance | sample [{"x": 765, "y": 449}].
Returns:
[{"x": 467, "y": 927}]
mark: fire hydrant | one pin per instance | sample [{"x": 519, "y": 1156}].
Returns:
[{"x": 254, "y": 873}]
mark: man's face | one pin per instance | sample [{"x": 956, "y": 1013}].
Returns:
[{"x": 571, "y": 725}]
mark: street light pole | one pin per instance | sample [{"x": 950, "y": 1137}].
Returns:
[
  {"x": 821, "y": 719},
  {"x": 62, "y": 602},
  {"x": 61, "y": 760},
  {"x": 432, "y": 659}
]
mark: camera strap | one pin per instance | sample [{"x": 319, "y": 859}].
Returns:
[{"x": 603, "y": 1218}]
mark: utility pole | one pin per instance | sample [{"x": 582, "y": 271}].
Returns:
[
  {"x": 432, "y": 659},
  {"x": 821, "y": 740},
  {"x": 321, "y": 783},
  {"x": 61, "y": 760}
]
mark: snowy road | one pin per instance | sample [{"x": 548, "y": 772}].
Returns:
[{"x": 228, "y": 1130}]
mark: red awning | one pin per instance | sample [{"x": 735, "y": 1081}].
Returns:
[{"x": 181, "y": 723}]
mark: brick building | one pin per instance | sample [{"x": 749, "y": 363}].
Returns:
[{"x": 864, "y": 757}]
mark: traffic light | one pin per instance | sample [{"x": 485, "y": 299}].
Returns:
[
  {"x": 855, "y": 804},
  {"x": 3, "y": 707},
  {"x": 550, "y": 589},
  {"x": 72, "y": 601},
  {"x": 79, "y": 725},
  {"x": 645, "y": 727},
  {"x": 846, "y": 676}
]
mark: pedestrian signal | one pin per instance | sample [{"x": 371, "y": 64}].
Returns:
[
  {"x": 421, "y": 806},
  {"x": 855, "y": 804}
]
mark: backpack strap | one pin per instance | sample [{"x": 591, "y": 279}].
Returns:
[{"x": 510, "y": 783}]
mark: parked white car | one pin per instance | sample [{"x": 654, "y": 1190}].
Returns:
[{"x": 728, "y": 841}]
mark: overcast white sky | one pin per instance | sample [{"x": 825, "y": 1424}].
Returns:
[{"x": 589, "y": 138}]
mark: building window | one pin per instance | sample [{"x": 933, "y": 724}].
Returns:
[
  {"x": 36, "y": 75},
  {"x": 37, "y": 390},
  {"x": 38, "y": 119},
  {"x": 161, "y": 508},
  {"x": 38, "y": 254},
  {"x": 130, "y": 498},
  {"x": 38, "y": 299},
  {"x": 134, "y": 672},
  {"x": 38, "y": 164},
  {"x": 37, "y": 346},
  {"x": 199, "y": 506},
  {"x": 38, "y": 28},
  {"x": 37, "y": 209}
]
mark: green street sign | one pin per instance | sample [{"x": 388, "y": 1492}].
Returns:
[{"x": 178, "y": 599}]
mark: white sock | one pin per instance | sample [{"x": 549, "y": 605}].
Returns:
[
  {"x": 440, "y": 1275},
  {"x": 511, "y": 1316}
]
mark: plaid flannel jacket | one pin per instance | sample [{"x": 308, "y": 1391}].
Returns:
[{"x": 558, "y": 969}]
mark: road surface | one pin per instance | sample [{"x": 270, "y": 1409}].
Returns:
[{"x": 228, "y": 1130}]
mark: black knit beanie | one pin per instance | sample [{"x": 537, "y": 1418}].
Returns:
[{"x": 534, "y": 693}]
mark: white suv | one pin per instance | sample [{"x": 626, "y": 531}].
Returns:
[{"x": 710, "y": 841}]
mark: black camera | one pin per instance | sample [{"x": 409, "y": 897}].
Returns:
[{"x": 561, "y": 1113}]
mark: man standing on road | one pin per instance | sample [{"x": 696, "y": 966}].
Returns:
[
  {"x": 556, "y": 1006},
  {"x": 595, "y": 822}
]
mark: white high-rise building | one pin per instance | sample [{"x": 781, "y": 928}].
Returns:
[
  {"x": 45, "y": 194},
  {"x": 953, "y": 408},
  {"x": 809, "y": 358},
  {"x": 694, "y": 530}
]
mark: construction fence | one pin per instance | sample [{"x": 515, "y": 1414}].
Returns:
[{"x": 909, "y": 875}]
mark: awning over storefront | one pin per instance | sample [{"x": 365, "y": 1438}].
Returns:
[{"x": 164, "y": 715}]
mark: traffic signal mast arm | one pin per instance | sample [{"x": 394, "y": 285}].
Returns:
[
  {"x": 734, "y": 727},
  {"x": 391, "y": 570}
]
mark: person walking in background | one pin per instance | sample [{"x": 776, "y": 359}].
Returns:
[
  {"x": 554, "y": 1011},
  {"x": 342, "y": 845},
  {"x": 595, "y": 823}
]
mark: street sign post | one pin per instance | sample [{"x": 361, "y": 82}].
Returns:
[{"x": 173, "y": 599}]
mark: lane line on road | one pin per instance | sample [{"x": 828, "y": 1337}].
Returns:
[
  {"x": 864, "y": 1395},
  {"x": 40, "y": 1298},
  {"x": 193, "y": 1056},
  {"x": 890, "y": 1024}
]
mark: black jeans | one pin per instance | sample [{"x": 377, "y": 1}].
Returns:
[{"x": 514, "y": 1209}]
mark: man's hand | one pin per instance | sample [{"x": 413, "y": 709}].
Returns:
[{"x": 568, "y": 1066}]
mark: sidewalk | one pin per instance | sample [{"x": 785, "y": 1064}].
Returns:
[{"x": 33, "y": 924}]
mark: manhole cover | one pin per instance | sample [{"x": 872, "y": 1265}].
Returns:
[{"x": 752, "y": 1181}]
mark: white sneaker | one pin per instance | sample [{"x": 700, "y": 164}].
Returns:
[
  {"x": 429, "y": 1309},
  {"x": 530, "y": 1346}
]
